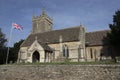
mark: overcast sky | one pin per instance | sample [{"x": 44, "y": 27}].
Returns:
[{"x": 94, "y": 14}]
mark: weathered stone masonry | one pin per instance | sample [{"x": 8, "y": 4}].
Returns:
[
  {"x": 44, "y": 44},
  {"x": 60, "y": 72}
]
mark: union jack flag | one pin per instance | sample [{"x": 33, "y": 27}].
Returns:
[{"x": 17, "y": 26}]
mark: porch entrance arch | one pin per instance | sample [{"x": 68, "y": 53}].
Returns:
[{"x": 35, "y": 57}]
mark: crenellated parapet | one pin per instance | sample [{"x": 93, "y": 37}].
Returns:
[{"x": 42, "y": 23}]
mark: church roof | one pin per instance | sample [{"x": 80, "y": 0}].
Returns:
[
  {"x": 45, "y": 46},
  {"x": 97, "y": 38},
  {"x": 68, "y": 35}
]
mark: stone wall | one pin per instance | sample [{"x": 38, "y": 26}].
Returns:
[
  {"x": 73, "y": 50},
  {"x": 60, "y": 72},
  {"x": 95, "y": 52}
]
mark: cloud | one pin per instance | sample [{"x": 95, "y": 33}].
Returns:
[{"x": 94, "y": 14}]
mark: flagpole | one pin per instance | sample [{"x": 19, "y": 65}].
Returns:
[{"x": 10, "y": 36}]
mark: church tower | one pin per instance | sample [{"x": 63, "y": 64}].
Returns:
[{"x": 42, "y": 23}]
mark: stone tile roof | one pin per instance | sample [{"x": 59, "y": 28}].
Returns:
[
  {"x": 45, "y": 46},
  {"x": 68, "y": 35},
  {"x": 97, "y": 38}
]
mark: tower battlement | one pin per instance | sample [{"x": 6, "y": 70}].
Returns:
[{"x": 42, "y": 23}]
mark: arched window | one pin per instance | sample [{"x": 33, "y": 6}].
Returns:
[
  {"x": 95, "y": 54},
  {"x": 91, "y": 54},
  {"x": 65, "y": 51}
]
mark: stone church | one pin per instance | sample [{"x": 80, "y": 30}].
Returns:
[{"x": 72, "y": 44}]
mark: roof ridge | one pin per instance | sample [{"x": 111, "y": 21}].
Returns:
[
  {"x": 66, "y": 28},
  {"x": 69, "y": 27},
  {"x": 58, "y": 30},
  {"x": 98, "y": 31}
]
